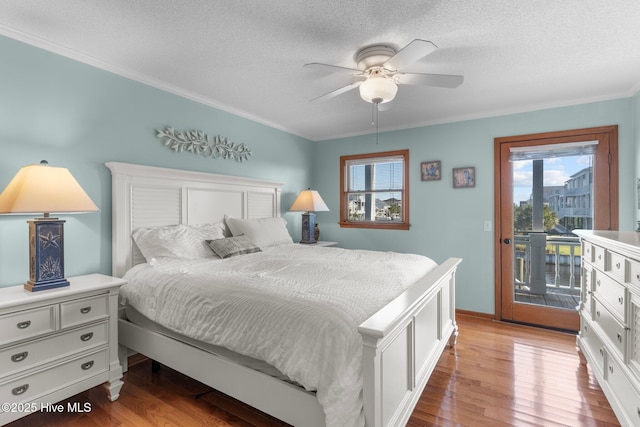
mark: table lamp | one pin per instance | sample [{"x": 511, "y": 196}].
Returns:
[
  {"x": 46, "y": 189},
  {"x": 309, "y": 201}
]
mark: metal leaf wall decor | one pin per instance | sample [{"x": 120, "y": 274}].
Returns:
[{"x": 196, "y": 141}]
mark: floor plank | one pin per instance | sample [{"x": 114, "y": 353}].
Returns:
[{"x": 498, "y": 374}]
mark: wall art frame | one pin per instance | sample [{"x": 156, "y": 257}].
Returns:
[
  {"x": 431, "y": 170},
  {"x": 464, "y": 177}
]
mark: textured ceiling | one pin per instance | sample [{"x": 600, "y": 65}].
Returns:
[{"x": 247, "y": 57}]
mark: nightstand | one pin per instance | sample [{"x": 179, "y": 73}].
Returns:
[
  {"x": 57, "y": 343},
  {"x": 321, "y": 243}
]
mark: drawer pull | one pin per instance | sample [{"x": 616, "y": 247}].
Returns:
[
  {"x": 620, "y": 300},
  {"x": 599, "y": 256},
  {"x": 19, "y": 357},
  {"x": 618, "y": 265},
  {"x": 601, "y": 352},
  {"x": 86, "y": 366},
  {"x": 20, "y": 390},
  {"x": 86, "y": 337},
  {"x": 638, "y": 276},
  {"x": 85, "y": 310},
  {"x": 598, "y": 282},
  {"x": 611, "y": 369},
  {"x": 598, "y": 313},
  {"x": 24, "y": 325},
  {"x": 619, "y": 336}
]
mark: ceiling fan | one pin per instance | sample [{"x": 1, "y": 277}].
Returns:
[{"x": 380, "y": 72}]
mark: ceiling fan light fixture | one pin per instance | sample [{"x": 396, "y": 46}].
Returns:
[{"x": 378, "y": 89}]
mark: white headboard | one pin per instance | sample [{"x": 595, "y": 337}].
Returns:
[{"x": 144, "y": 196}]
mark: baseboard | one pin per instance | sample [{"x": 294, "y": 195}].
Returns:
[{"x": 468, "y": 313}]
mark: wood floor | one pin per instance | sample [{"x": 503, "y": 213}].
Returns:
[{"x": 498, "y": 375}]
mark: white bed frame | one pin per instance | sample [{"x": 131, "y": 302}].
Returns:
[{"x": 401, "y": 343}]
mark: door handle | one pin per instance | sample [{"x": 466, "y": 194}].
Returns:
[{"x": 507, "y": 241}]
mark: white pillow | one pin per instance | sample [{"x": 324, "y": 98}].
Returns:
[
  {"x": 177, "y": 241},
  {"x": 264, "y": 232},
  {"x": 212, "y": 231}
]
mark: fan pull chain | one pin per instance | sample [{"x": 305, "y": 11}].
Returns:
[{"x": 374, "y": 117}]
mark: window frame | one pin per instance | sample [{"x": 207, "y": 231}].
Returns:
[{"x": 344, "y": 194}]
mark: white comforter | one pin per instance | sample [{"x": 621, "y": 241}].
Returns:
[{"x": 295, "y": 307}]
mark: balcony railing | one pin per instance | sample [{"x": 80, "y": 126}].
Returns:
[{"x": 562, "y": 263}]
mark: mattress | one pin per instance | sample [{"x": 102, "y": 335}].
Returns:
[
  {"x": 294, "y": 307},
  {"x": 134, "y": 316}
]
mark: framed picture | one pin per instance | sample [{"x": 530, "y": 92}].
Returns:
[
  {"x": 430, "y": 171},
  {"x": 464, "y": 177}
]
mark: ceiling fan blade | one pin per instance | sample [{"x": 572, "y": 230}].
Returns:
[
  {"x": 337, "y": 92},
  {"x": 331, "y": 68},
  {"x": 440, "y": 80},
  {"x": 409, "y": 54}
]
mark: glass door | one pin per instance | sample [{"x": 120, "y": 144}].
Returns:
[
  {"x": 546, "y": 188},
  {"x": 552, "y": 195}
]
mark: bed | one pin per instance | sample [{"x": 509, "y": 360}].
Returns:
[{"x": 399, "y": 343}]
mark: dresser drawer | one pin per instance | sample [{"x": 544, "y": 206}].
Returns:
[
  {"x": 592, "y": 346},
  {"x": 83, "y": 310},
  {"x": 587, "y": 251},
  {"x": 612, "y": 292},
  {"x": 30, "y": 354},
  {"x": 27, "y": 324},
  {"x": 617, "y": 266},
  {"x": 37, "y": 384},
  {"x": 599, "y": 257},
  {"x": 634, "y": 274},
  {"x": 627, "y": 396},
  {"x": 613, "y": 330}
]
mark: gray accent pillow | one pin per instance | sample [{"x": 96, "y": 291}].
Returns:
[{"x": 233, "y": 246}]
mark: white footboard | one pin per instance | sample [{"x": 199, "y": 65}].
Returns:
[{"x": 402, "y": 344}]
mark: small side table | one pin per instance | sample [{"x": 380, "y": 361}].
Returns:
[
  {"x": 321, "y": 243},
  {"x": 58, "y": 343}
]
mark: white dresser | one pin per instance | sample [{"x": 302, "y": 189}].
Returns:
[
  {"x": 609, "y": 335},
  {"x": 57, "y": 343}
]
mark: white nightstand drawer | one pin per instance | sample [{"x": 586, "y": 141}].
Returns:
[
  {"x": 613, "y": 330},
  {"x": 82, "y": 311},
  {"x": 35, "y": 385},
  {"x": 30, "y": 354},
  {"x": 27, "y": 324},
  {"x": 612, "y": 292}
]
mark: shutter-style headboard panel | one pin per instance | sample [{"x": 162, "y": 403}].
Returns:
[{"x": 144, "y": 196}]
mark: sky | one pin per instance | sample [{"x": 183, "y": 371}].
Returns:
[
  {"x": 556, "y": 172},
  {"x": 388, "y": 175}
]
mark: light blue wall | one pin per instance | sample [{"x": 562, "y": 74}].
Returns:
[
  {"x": 447, "y": 222},
  {"x": 80, "y": 117}
]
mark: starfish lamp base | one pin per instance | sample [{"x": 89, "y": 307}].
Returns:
[{"x": 46, "y": 254}]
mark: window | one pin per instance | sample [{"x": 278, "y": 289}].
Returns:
[{"x": 375, "y": 190}]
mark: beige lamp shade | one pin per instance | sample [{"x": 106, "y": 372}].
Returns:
[
  {"x": 43, "y": 189},
  {"x": 309, "y": 201}
]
